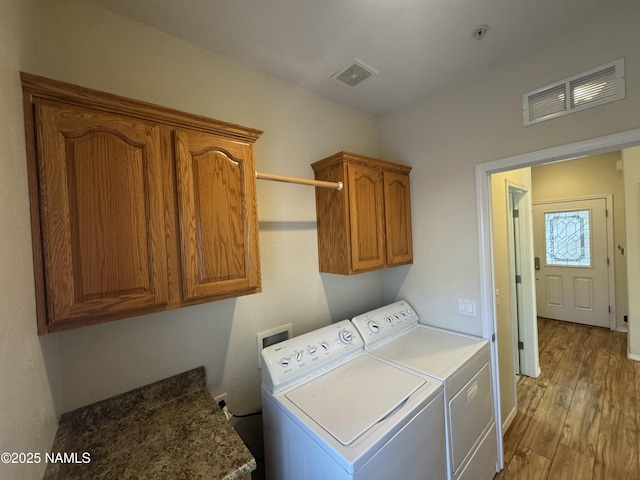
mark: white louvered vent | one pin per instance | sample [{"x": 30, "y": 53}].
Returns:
[
  {"x": 353, "y": 74},
  {"x": 595, "y": 87}
]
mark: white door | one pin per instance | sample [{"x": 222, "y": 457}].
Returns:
[
  {"x": 570, "y": 244},
  {"x": 517, "y": 305}
]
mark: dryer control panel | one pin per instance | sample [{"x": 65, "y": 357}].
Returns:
[
  {"x": 311, "y": 354},
  {"x": 385, "y": 322}
]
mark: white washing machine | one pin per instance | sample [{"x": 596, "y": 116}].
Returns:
[
  {"x": 461, "y": 362},
  {"x": 331, "y": 411}
]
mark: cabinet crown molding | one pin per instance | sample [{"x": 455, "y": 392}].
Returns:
[
  {"x": 40, "y": 87},
  {"x": 355, "y": 158}
]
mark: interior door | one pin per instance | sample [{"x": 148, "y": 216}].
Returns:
[
  {"x": 516, "y": 307},
  {"x": 570, "y": 244}
]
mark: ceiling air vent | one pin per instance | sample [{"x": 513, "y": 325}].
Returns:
[
  {"x": 595, "y": 87},
  {"x": 353, "y": 74}
]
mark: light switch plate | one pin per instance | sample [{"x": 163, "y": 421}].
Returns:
[{"x": 467, "y": 307}]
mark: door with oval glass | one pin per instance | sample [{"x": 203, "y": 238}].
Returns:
[{"x": 571, "y": 261}]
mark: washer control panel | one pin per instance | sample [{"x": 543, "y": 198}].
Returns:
[
  {"x": 286, "y": 363},
  {"x": 385, "y": 322}
]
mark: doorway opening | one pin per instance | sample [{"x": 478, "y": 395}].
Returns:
[{"x": 484, "y": 171}]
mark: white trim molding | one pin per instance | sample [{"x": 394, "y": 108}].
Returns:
[{"x": 608, "y": 143}]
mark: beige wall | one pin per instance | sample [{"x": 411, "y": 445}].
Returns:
[
  {"x": 28, "y": 392},
  {"x": 477, "y": 120},
  {"x": 504, "y": 282},
  {"x": 631, "y": 167},
  {"x": 595, "y": 175},
  {"x": 86, "y": 45}
]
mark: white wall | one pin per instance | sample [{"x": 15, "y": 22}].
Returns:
[
  {"x": 479, "y": 119},
  {"x": 28, "y": 391},
  {"x": 92, "y": 47}
]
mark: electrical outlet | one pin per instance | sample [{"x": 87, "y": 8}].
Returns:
[
  {"x": 274, "y": 335},
  {"x": 221, "y": 397}
]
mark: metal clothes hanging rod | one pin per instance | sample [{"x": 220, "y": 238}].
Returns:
[{"x": 301, "y": 181}]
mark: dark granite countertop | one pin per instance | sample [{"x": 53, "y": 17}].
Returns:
[{"x": 171, "y": 429}]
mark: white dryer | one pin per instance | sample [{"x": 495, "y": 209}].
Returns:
[
  {"x": 461, "y": 362},
  {"x": 331, "y": 411}
]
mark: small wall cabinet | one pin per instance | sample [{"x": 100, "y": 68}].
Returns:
[
  {"x": 367, "y": 225},
  {"x": 135, "y": 208}
]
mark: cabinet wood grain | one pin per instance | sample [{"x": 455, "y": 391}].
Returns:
[
  {"x": 367, "y": 225},
  {"x": 102, "y": 212},
  {"x": 135, "y": 207},
  {"x": 366, "y": 210},
  {"x": 218, "y": 218}
]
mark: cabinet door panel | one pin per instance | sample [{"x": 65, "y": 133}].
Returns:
[
  {"x": 397, "y": 197},
  {"x": 218, "y": 218},
  {"x": 102, "y": 213},
  {"x": 366, "y": 212}
]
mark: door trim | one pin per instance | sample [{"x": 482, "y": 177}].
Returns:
[
  {"x": 487, "y": 311},
  {"x": 611, "y": 267},
  {"x": 528, "y": 327}
]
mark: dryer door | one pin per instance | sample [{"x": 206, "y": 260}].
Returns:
[{"x": 471, "y": 413}]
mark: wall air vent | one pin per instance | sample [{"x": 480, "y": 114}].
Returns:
[
  {"x": 353, "y": 74},
  {"x": 595, "y": 87}
]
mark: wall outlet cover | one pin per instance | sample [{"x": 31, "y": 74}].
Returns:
[{"x": 271, "y": 336}]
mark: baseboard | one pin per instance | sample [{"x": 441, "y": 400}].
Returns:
[
  {"x": 633, "y": 356},
  {"x": 511, "y": 417},
  {"x": 623, "y": 329}
]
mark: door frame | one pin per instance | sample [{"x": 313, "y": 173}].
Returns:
[
  {"x": 611, "y": 267},
  {"x": 487, "y": 311},
  {"x": 526, "y": 323}
]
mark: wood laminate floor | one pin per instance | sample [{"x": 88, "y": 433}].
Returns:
[{"x": 579, "y": 419}]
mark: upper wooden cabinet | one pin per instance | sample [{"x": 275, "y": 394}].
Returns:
[
  {"x": 135, "y": 208},
  {"x": 218, "y": 217},
  {"x": 367, "y": 225},
  {"x": 102, "y": 212}
]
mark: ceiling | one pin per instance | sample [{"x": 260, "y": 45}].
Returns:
[{"x": 415, "y": 46}]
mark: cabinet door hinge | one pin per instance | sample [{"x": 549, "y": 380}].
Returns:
[
  {"x": 520, "y": 345},
  {"x": 518, "y": 279}
]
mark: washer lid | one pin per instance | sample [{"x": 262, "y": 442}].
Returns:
[
  {"x": 430, "y": 350},
  {"x": 349, "y": 400}
]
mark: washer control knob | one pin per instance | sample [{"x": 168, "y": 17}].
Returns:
[
  {"x": 345, "y": 337},
  {"x": 373, "y": 326},
  {"x": 389, "y": 319},
  {"x": 324, "y": 346},
  {"x": 284, "y": 362},
  {"x": 312, "y": 350},
  {"x": 409, "y": 311},
  {"x": 298, "y": 355}
]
